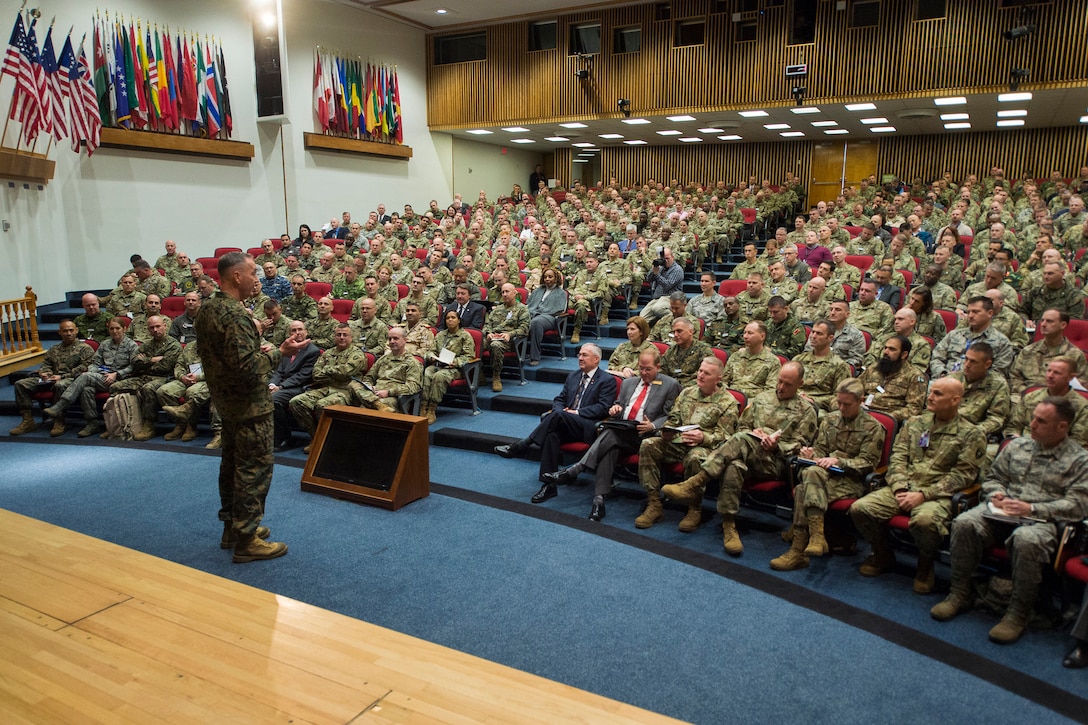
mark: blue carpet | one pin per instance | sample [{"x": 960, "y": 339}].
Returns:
[{"x": 550, "y": 597}]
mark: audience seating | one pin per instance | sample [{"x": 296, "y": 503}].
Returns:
[
  {"x": 732, "y": 287},
  {"x": 862, "y": 261},
  {"x": 951, "y": 319},
  {"x": 173, "y": 306},
  {"x": 220, "y": 251},
  {"x": 341, "y": 309},
  {"x": 208, "y": 262},
  {"x": 1076, "y": 332},
  {"x": 317, "y": 290}
]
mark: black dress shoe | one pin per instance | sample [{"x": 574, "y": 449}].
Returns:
[
  {"x": 597, "y": 512},
  {"x": 565, "y": 476},
  {"x": 282, "y": 446},
  {"x": 1077, "y": 657},
  {"x": 546, "y": 491},
  {"x": 512, "y": 450}
]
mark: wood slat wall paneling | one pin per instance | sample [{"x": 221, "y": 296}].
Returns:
[
  {"x": 1031, "y": 152},
  {"x": 965, "y": 51},
  {"x": 705, "y": 164}
]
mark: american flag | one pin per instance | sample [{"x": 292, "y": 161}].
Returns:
[
  {"x": 83, "y": 105},
  {"x": 13, "y": 57},
  {"x": 54, "y": 92},
  {"x": 32, "y": 113}
]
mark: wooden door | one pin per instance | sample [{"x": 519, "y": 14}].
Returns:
[{"x": 837, "y": 164}]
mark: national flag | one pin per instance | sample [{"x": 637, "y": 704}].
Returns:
[
  {"x": 190, "y": 109},
  {"x": 151, "y": 73},
  {"x": 171, "y": 85},
  {"x": 35, "y": 114},
  {"x": 13, "y": 57},
  {"x": 211, "y": 93},
  {"x": 390, "y": 112},
  {"x": 321, "y": 108},
  {"x": 384, "y": 95},
  {"x": 101, "y": 77},
  {"x": 54, "y": 96},
  {"x": 396, "y": 108},
  {"x": 356, "y": 101},
  {"x": 120, "y": 80},
  {"x": 373, "y": 123},
  {"x": 137, "y": 99},
  {"x": 84, "y": 106},
  {"x": 65, "y": 61},
  {"x": 224, "y": 94}
]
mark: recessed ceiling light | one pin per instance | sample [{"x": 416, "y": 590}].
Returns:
[
  {"x": 950, "y": 101},
  {"x": 610, "y": 135},
  {"x": 636, "y": 121},
  {"x": 805, "y": 109},
  {"x": 775, "y": 126},
  {"x": 516, "y": 129},
  {"x": 711, "y": 130},
  {"x": 521, "y": 140},
  {"x": 1013, "y": 97},
  {"x": 836, "y": 131},
  {"x": 583, "y": 145},
  {"x": 1084, "y": 119},
  {"x": 557, "y": 139},
  {"x": 860, "y": 106},
  {"x": 574, "y": 124},
  {"x": 679, "y": 119},
  {"x": 882, "y": 129},
  {"x": 819, "y": 124},
  {"x": 735, "y": 137},
  {"x": 956, "y": 125},
  {"x": 955, "y": 116},
  {"x": 792, "y": 134},
  {"x": 479, "y": 132},
  {"x": 669, "y": 133},
  {"x": 691, "y": 139},
  {"x": 872, "y": 121},
  {"x": 587, "y": 155},
  {"x": 441, "y": 11},
  {"x": 753, "y": 114},
  {"x": 1012, "y": 114},
  {"x": 1011, "y": 122},
  {"x": 636, "y": 142},
  {"x": 579, "y": 161}
]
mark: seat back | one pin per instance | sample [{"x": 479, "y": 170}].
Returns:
[
  {"x": 341, "y": 309},
  {"x": 173, "y": 306},
  {"x": 317, "y": 290},
  {"x": 720, "y": 354},
  {"x": 861, "y": 261},
  {"x": 732, "y": 287},
  {"x": 951, "y": 319}
]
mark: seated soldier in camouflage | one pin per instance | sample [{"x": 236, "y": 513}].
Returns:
[
  {"x": 813, "y": 305},
  {"x": 772, "y": 428},
  {"x": 93, "y": 323},
  {"x": 369, "y": 331},
  {"x": 1029, "y": 367},
  {"x": 681, "y": 360},
  {"x": 152, "y": 366},
  {"x": 332, "y": 377},
  {"x": 903, "y": 324},
  {"x": 824, "y": 370},
  {"x": 298, "y": 305},
  {"x": 785, "y": 335},
  {"x": 727, "y": 332},
  {"x": 127, "y": 301},
  {"x": 62, "y": 364},
  {"x": 850, "y": 441},
  {"x": 707, "y": 405},
  {"x": 754, "y": 368},
  {"x": 1059, "y": 373},
  {"x": 678, "y": 307},
  {"x": 394, "y": 375},
  {"x": 892, "y": 385},
  {"x": 188, "y": 385}
]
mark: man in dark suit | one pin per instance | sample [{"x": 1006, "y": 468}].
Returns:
[
  {"x": 472, "y": 314},
  {"x": 885, "y": 290},
  {"x": 642, "y": 408},
  {"x": 587, "y": 395},
  {"x": 291, "y": 377}
]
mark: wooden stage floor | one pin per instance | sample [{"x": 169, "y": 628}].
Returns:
[{"x": 94, "y": 632}]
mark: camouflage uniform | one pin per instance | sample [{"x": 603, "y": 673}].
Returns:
[
  {"x": 742, "y": 456},
  {"x": 67, "y": 361},
  {"x": 512, "y": 320},
  {"x": 985, "y": 402},
  {"x": 592, "y": 287},
  {"x": 332, "y": 375},
  {"x": 944, "y": 297},
  {"x": 322, "y": 332},
  {"x": 786, "y": 338},
  {"x": 848, "y": 344},
  {"x": 428, "y": 309},
  {"x": 93, "y": 328},
  {"x": 935, "y": 459},
  {"x": 147, "y": 377},
  {"x": 237, "y": 373},
  {"x": 369, "y": 337},
  {"x": 1011, "y": 325},
  {"x": 618, "y": 271},
  {"x": 822, "y": 376},
  {"x": 626, "y": 356},
  {"x": 857, "y": 444},
  {"x": 787, "y": 289},
  {"x": 726, "y": 334},
  {"x": 418, "y": 340},
  {"x": 807, "y": 311},
  {"x": 979, "y": 289},
  {"x": 708, "y": 309},
  {"x": 401, "y": 375},
  {"x": 125, "y": 305},
  {"x": 949, "y": 354},
  {"x": 904, "y": 393},
  {"x": 875, "y": 318},
  {"x": 920, "y": 351},
  {"x": 745, "y": 268},
  {"x": 300, "y": 308},
  {"x": 683, "y": 364},
  {"x": 437, "y": 377},
  {"x": 932, "y": 325},
  {"x": 662, "y": 329},
  {"x": 1039, "y": 299},
  {"x": 753, "y": 308},
  {"x": 1030, "y": 365},
  {"x": 1019, "y": 423},
  {"x": 716, "y": 416},
  {"x": 137, "y": 329},
  {"x": 751, "y": 374},
  {"x": 156, "y": 284}
]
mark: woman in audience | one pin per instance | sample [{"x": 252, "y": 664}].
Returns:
[
  {"x": 929, "y": 322},
  {"x": 304, "y": 235},
  {"x": 951, "y": 236},
  {"x": 623, "y": 362},
  {"x": 387, "y": 288},
  {"x": 438, "y": 375}
]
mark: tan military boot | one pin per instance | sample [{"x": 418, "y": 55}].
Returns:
[
  {"x": 176, "y": 433},
  {"x": 144, "y": 434},
  {"x": 691, "y": 521},
  {"x": 654, "y": 512},
  {"x": 216, "y": 441},
  {"x": 881, "y": 561},
  {"x": 189, "y": 434},
  {"x": 795, "y": 557},
  {"x": 730, "y": 537},
  {"x": 1015, "y": 621},
  {"x": 28, "y": 425},
  {"x": 89, "y": 430},
  {"x": 576, "y": 336},
  {"x": 430, "y": 411},
  {"x": 254, "y": 548},
  {"x": 817, "y": 544},
  {"x": 496, "y": 384},
  {"x": 179, "y": 412},
  {"x": 59, "y": 426},
  {"x": 957, "y": 602},
  {"x": 924, "y": 577},
  {"x": 689, "y": 491},
  {"x": 230, "y": 538},
  {"x": 787, "y": 534}
]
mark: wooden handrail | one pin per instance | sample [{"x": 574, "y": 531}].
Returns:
[{"x": 19, "y": 343}]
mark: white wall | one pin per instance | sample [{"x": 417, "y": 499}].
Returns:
[
  {"x": 79, "y": 231},
  {"x": 495, "y": 169}
]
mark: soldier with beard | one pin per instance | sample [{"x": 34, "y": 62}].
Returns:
[{"x": 891, "y": 386}]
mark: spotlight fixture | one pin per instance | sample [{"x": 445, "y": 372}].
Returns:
[
  {"x": 1018, "y": 75},
  {"x": 581, "y": 73},
  {"x": 798, "y": 93},
  {"x": 625, "y": 107},
  {"x": 1026, "y": 27}
]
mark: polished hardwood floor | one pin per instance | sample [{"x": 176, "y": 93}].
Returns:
[{"x": 94, "y": 632}]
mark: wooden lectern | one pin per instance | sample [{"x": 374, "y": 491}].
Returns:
[{"x": 369, "y": 456}]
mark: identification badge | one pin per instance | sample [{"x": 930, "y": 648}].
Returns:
[
  {"x": 880, "y": 389},
  {"x": 923, "y": 440},
  {"x": 509, "y": 315},
  {"x": 869, "y": 400}
]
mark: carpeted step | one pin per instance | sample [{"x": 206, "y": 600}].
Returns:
[
  {"x": 478, "y": 442},
  {"x": 552, "y": 375},
  {"x": 518, "y": 404}
]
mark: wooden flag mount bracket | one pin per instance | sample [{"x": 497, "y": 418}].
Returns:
[
  {"x": 26, "y": 167},
  {"x": 317, "y": 141},
  {"x": 169, "y": 143}
]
